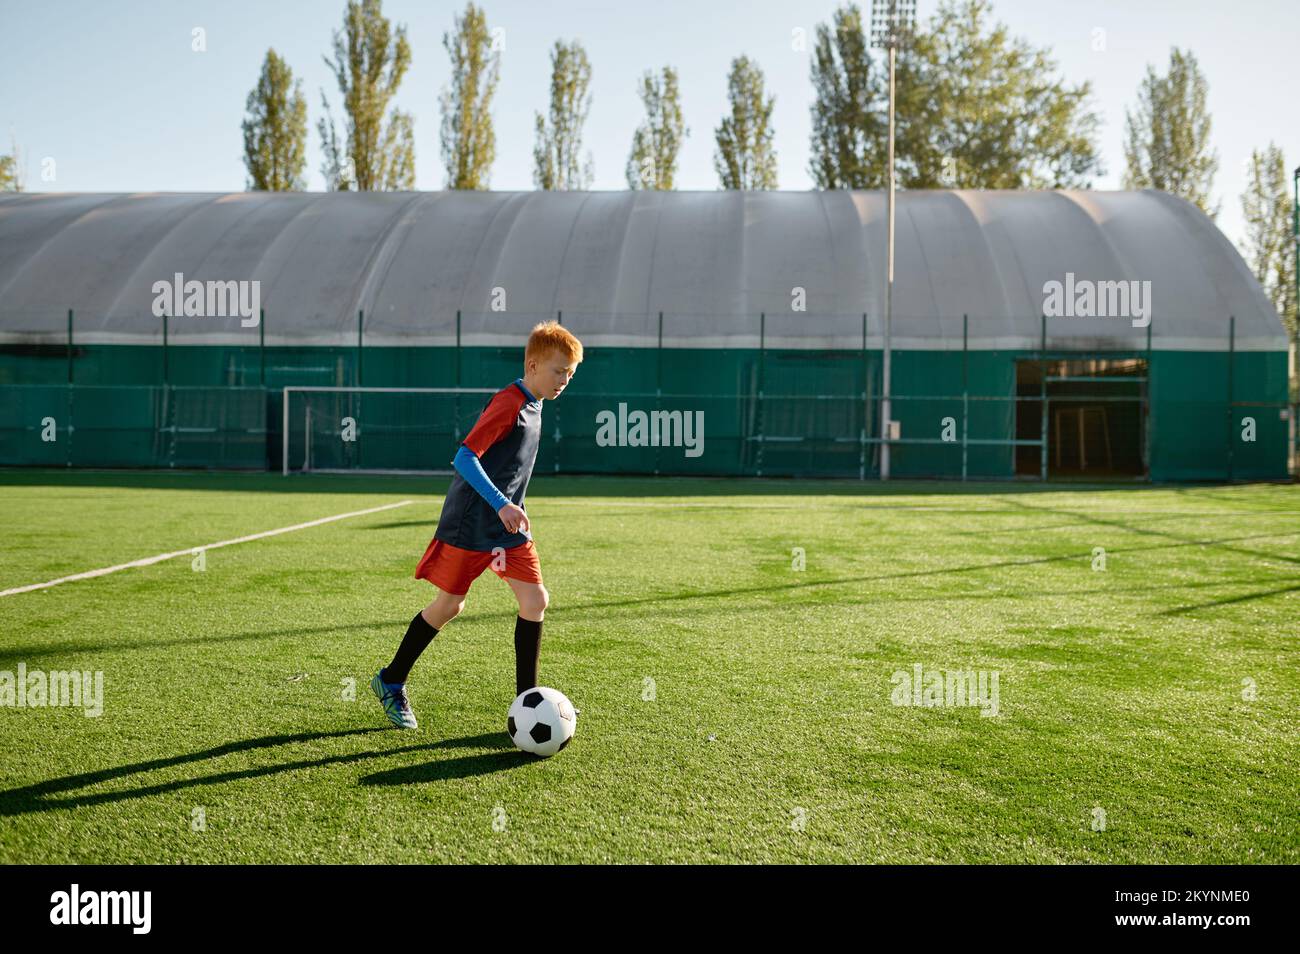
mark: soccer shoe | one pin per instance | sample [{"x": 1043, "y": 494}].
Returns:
[{"x": 393, "y": 698}]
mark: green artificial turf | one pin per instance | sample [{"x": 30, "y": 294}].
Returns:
[{"x": 733, "y": 708}]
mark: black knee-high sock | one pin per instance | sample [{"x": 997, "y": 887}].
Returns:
[
  {"x": 528, "y": 653},
  {"x": 418, "y": 636}
]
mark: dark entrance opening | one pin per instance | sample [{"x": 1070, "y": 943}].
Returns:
[{"x": 1096, "y": 417}]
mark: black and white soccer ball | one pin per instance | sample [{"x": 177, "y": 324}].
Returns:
[{"x": 541, "y": 721}]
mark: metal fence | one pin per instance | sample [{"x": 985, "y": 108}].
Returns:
[{"x": 960, "y": 413}]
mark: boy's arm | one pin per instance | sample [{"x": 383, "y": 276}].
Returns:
[
  {"x": 493, "y": 424},
  {"x": 468, "y": 466}
]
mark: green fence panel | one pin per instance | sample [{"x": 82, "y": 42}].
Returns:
[{"x": 816, "y": 407}]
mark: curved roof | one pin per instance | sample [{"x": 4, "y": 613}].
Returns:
[{"x": 611, "y": 261}]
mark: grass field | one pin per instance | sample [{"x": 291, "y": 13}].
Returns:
[{"x": 734, "y": 708}]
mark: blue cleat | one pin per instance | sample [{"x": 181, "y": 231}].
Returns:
[{"x": 393, "y": 698}]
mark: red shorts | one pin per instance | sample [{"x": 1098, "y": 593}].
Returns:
[{"x": 453, "y": 569}]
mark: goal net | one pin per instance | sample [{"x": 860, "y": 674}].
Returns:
[{"x": 376, "y": 430}]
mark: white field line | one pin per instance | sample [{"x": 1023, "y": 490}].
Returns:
[{"x": 149, "y": 561}]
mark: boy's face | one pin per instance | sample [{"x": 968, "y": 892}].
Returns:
[{"x": 553, "y": 374}]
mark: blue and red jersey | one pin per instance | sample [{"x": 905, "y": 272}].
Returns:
[{"x": 504, "y": 440}]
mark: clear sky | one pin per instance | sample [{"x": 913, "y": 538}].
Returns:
[{"x": 112, "y": 91}]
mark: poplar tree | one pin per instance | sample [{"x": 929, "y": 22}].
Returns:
[
  {"x": 1167, "y": 136},
  {"x": 468, "y": 139},
  {"x": 275, "y": 130},
  {"x": 844, "y": 124},
  {"x": 1270, "y": 248},
  {"x": 557, "y": 162},
  {"x": 652, "y": 163},
  {"x": 370, "y": 59},
  {"x": 745, "y": 158}
]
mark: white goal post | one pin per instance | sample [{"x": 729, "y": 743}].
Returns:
[{"x": 289, "y": 421}]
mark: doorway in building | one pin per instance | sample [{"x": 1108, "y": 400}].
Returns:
[{"x": 1094, "y": 412}]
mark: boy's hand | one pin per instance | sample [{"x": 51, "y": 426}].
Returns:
[{"x": 514, "y": 517}]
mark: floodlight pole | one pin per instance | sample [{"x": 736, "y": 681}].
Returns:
[
  {"x": 891, "y": 19},
  {"x": 886, "y": 416}
]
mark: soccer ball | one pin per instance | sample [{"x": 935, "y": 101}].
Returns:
[{"x": 541, "y": 721}]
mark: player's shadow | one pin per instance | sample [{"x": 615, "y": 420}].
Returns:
[
  {"x": 465, "y": 767},
  {"x": 25, "y": 653},
  {"x": 45, "y": 796}
]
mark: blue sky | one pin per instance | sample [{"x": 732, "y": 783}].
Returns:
[{"x": 112, "y": 91}]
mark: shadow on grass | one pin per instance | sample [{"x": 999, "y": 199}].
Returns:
[
  {"x": 44, "y": 796},
  {"x": 1182, "y": 541},
  {"x": 402, "y": 524},
  {"x": 1229, "y": 600},
  {"x": 20, "y": 653},
  {"x": 448, "y": 769}
]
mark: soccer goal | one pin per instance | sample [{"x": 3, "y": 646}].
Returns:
[{"x": 357, "y": 430}]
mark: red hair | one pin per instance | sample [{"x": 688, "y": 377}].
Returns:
[{"x": 550, "y": 336}]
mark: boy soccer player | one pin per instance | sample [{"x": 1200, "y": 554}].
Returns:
[{"x": 483, "y": 520}]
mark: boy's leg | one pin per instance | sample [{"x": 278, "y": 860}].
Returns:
[
  {"x": 533, "y": 600},
  {"x": 445, "y": 607}
]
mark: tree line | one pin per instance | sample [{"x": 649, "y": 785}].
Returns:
[{"x": 977, "y": 108}]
